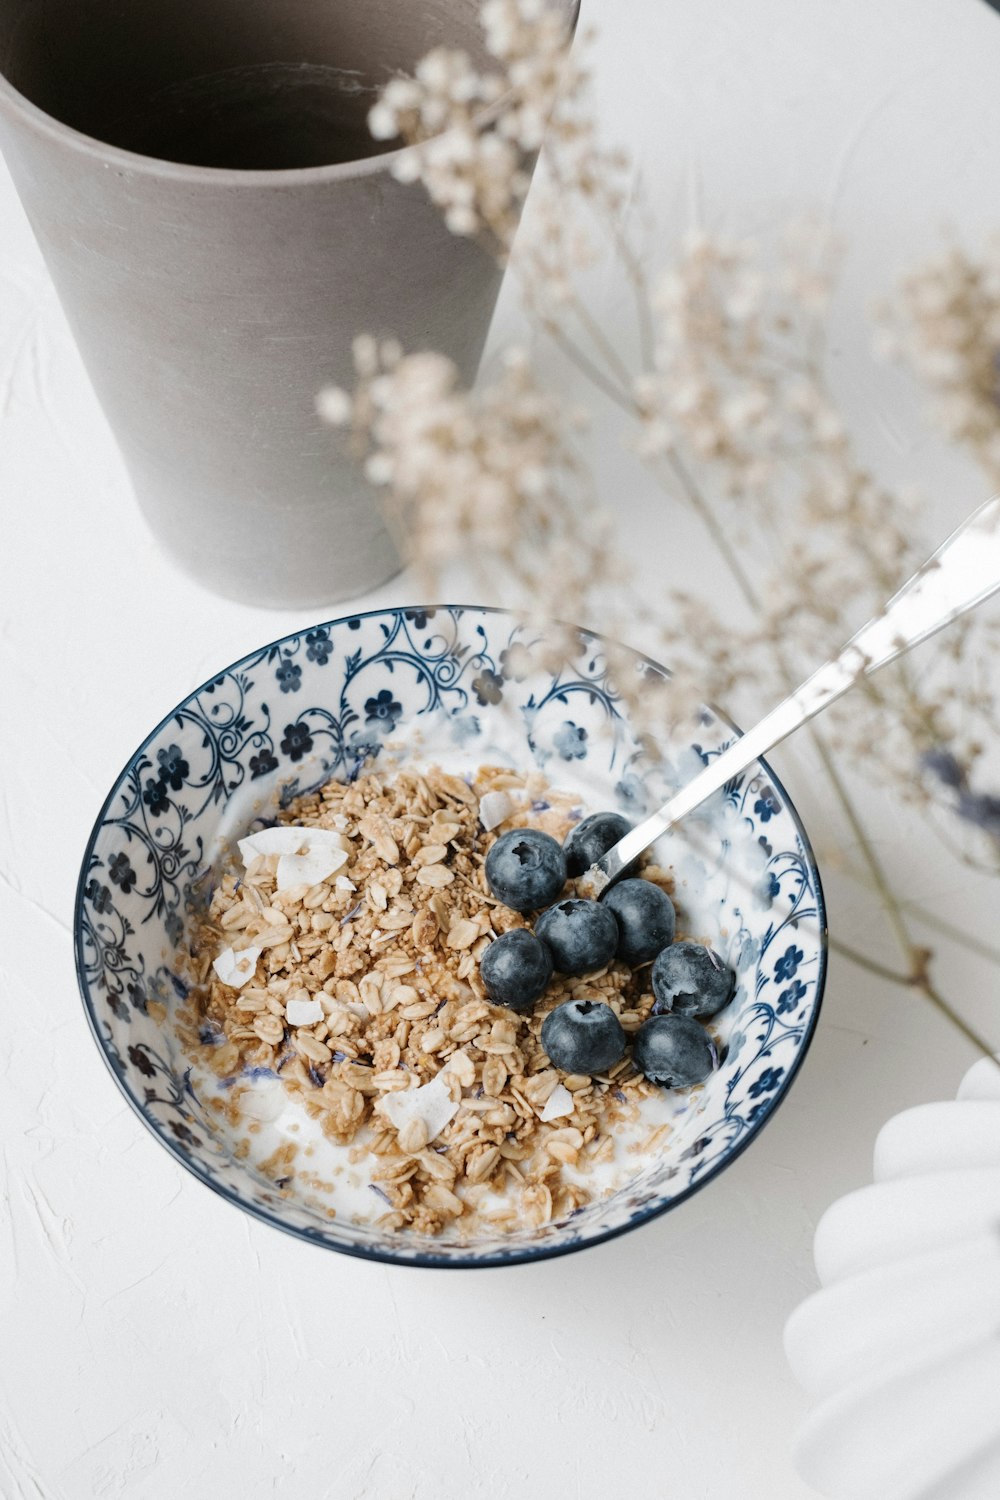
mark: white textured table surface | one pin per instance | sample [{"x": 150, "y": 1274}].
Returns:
[{"x": 155, "y": 1342}]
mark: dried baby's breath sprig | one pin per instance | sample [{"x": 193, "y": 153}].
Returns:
[
  {"x": 945, "y": 323},
  {"x": 737, "y": 395},
  {"x": 474, "y": 134},
  {"x": 731, "y": 410},
  {"x": 490, "y": 475},
  {"x": 738, "y": 406},
  {"x": 733, "y": 379}
]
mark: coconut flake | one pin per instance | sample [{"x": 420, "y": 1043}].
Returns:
[
  {"x": 263, "y": 1101},
  {"x": 559, "y": 1103},
  {"x": 336, "y": 1010},
  {"x": 495, "y": 808},
  {"x": 288, "y": 839},
  {"x": 317, "y": 863},
  {"x": 271, "y": 841},
  {"x": 343, "y": 884},
  {"x": 236, "y": 969},
  {"x": 303, "y": 1012},
  {"x": 431, "y": 1103}
]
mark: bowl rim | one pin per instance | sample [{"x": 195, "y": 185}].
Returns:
[{"x": 517, "y": 1255}]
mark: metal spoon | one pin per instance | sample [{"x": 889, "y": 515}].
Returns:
[{"x": 963, "y": 572}]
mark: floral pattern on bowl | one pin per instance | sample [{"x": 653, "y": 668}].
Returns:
[{"x": 455, "y": 685}]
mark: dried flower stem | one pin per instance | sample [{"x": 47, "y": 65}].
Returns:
[
  {"x": 602, "y": 343},
  {"x": 582, "y": 361},
  {"x": 948, "y": 929},
  {"x": 863, "y": 961},
  {"x": 920, "y": 981}
]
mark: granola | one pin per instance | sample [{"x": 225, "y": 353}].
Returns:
[{"x": 365, "y": 985}]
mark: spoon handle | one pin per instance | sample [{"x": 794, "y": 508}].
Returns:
[{"x": 963, "y": 572}]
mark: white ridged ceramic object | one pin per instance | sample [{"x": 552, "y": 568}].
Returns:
[{"x": 900, "y": 1347}]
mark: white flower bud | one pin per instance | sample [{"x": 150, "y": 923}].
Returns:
[
  {"x": 461, "y": 220},
  {"x": 401, "y": 95},
  {"x": 334, "y": 406},
  {"x": 379, "y": 469},
  {"x": 407, "y": 167},
  {"x": 383, "y": 122},
  {"x": 435, "y": 69},
  {"x": 365, "y": 352}
]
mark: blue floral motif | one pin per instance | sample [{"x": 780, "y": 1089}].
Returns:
[
  {"x": 173, "y": 767},
  {"x": 737, "y": 1042},
  {"x": 465, "y": 728},
  {"x": 151, "y": 860},
  {"x": 788, "y": 963},
  {"x": 789, "y": 999},
  {"x": 138, "y": 1057},
  {"x": 155, "y": 797},
  {"x": 767, "y": 805},
  {"x": 219, "y": 734},
  {"x": 289, "y": 676},
  {"x": 262, "y": 763},
  {"x": 361, "y": 746},
  {"x": 745, "y": 952},
  {"x": 121, "y": 873},
  {"x": 632, "y": 793},
  {"x": 516, "y": 663},
  {"x": 297, "y": 741},
  {"x": 488, "y": 687},
  {"x": 99, "y": 896},
  {"x": 319, "y": 645},
  {"x": 383, "y": 711},
  {"x": 766, "y": 1083},
  {"x": 571, "y": 741},
  {"x": 117, "y": 1005},
  {"x": 767, "y": 891}
]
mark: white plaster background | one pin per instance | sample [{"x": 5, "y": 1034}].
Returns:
[{"x": 156, "y": 1343}]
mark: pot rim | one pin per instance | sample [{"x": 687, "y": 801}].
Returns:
[{"x": 18, "y": 105}]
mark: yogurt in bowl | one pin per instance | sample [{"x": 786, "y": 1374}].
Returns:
[{"x": 457, "y": 689}]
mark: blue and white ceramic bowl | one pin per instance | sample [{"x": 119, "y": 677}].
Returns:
[{"x": 453, "y": 686}]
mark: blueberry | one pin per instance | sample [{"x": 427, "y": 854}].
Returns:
[
  {"x": 673, "y": 1051},
  {"x": 585, "y": 843},
  {"x": 645, "y": 917},
  {"x": 515, "y": 969},
  {"x": 581, "y": 935},
  {"x": 526, "y": 869},
  {"x": 583, "y": 1036},
  {"x": 691, "y": 981}
]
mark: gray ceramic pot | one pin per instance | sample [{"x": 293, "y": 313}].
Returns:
[{"x": 211, "y": 302}]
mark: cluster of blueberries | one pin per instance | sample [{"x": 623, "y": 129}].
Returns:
[{"x": 633, "y": 921}]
